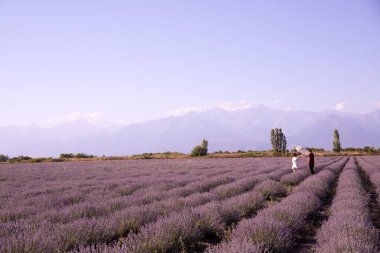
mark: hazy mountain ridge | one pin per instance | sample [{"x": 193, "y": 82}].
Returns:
[{"x": 225, "y": 130}]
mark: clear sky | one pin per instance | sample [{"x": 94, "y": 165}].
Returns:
[{"x": 136, "y": 60}]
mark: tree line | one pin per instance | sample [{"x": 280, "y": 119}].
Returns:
[{"x": 277, "y": 139}]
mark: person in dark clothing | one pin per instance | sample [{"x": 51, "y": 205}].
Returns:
[{"x": 311, "y": 161}]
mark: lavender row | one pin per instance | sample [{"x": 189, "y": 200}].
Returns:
[
  {"x": 274, "y": 228},
  {"x": 372, "y": 169},
  {"x": 297, "y": 177},
  {"x": 87, "y": 231},
  {"x": 234, "y": 209},
  {"x": 101, "y": 207},
  {"x": 73, "y": 201},
  {"x": 349, "y": 227},
  {"x": 73, "y": 196},
  {"x": 83, "y": 209},
  {"x": 145, "y": 242},
  {"x": 129, "y": 196},
  {"x": 180, "y": 231},
  {"x": 27, "y": 234},
  {"x": 303, "y": 172}
]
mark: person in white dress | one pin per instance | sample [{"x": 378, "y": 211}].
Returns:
[{"x": 294, "y": 161}]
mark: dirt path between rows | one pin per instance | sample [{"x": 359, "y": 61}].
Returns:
[
  {"x": 208, "y": 242},
  {"x": 373, "y": 205},
  {"x": 306, "y": 237}
]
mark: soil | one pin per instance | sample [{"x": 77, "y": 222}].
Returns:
[
  {"x": 305, "y": 240},
  {"x": 373, "y": 205},
  {"x": 306, "y": 237}
]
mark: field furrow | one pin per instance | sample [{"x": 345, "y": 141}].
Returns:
[
  {"x": 349, "y": 227},
  {"x": 370, "y": 187},
  {"x": 275, "y": 228}
]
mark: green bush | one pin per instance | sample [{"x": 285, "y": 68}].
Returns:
[
  {"x": 66, "y": 155},
  {"x": 3, "y": 158},
  {"x": 83, "y": 155},
  {"x": 369, "y": 150},
  {"x": 20, "y": 158},
  {"x": 200, "y": 150},
  {"x": 39, "y": 160},
  {"x": 77, "y": 155}
]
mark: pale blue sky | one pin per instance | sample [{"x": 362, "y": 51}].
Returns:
[{"x": 137, "y": 60}]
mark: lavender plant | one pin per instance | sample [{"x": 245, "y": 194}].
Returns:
[
  {"x": 92, "y": 205},
  {"x": 349, "y": 227},
  {"x": 274, "y": 229}
]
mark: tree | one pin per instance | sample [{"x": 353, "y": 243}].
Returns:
[
  {"x": 336, "y": 141},
  {"x": 273, "y": 140},
  {"x": 205, "y": 144},
  {"x": 278, "y": 140},
  {"x": 284, "y": 144},
  {"x": 200, "y": 150}
]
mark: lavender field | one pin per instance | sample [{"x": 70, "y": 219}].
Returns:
[{"x": 242, "y": 205}]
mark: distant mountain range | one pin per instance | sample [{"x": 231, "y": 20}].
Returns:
[{"x": 225, "y": 130}]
